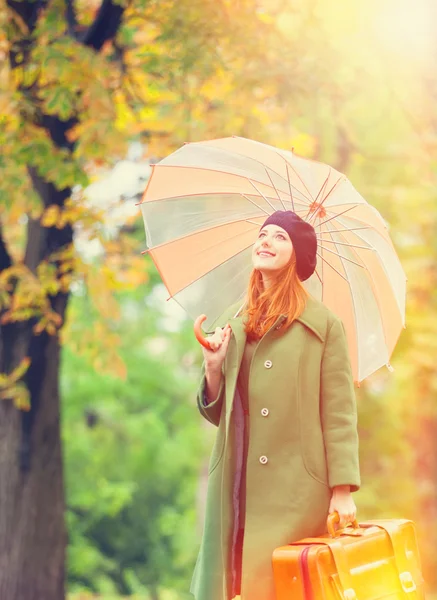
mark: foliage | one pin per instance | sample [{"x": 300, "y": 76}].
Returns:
[{"x": 132, "y": 454}]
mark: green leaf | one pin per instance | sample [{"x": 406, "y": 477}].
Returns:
[{"x": 58, "y": 101}]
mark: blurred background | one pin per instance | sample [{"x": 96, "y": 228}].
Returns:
[{"x": 92, "y": 94}]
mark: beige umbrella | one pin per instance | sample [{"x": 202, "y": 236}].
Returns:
[{"x": 204, "y": 205}]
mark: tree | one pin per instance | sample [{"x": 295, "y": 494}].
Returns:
[{"x": 35, "y": 288}]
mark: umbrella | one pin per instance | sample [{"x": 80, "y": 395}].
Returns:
[{"x": 204, "y": 205}]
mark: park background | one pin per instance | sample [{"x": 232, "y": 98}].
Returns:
[{"x": 92, "y": 353}]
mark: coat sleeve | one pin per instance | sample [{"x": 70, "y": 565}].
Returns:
[
  {"x": 339, "y": 411},
  {"x": 210, "y": 411}
]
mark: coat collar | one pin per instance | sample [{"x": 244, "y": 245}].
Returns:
[{"x": 313, "y": 318}]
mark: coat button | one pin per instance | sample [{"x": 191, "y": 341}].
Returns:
[
  {"x": 268, "y": 364},
  {"x": 264, "y": 412},
  {"x": 263, "y": 460}
]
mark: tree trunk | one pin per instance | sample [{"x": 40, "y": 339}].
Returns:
[{"x": 32, "y": 532}]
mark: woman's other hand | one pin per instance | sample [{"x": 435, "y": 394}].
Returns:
[{"x": 343, "y": 503}]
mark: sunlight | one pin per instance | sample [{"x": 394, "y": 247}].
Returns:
[{"x": 406, "y": 27}]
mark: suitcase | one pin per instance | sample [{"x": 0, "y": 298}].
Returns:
[{"x": 375, "y": 560}]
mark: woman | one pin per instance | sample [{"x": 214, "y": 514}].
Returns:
[{"x": 277, "y": 383}]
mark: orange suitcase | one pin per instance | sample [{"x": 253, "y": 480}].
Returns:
[{"x": 375, "y": 560}]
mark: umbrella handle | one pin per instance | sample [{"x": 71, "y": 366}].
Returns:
[{"x": 199, "y": 333}]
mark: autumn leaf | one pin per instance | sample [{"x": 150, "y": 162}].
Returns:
[
  {"x": 50, "y": 216},
  {"x": 11, "y": 389}
]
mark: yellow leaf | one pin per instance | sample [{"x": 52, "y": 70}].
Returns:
[
  {"x": 50, "y": 216},
  {"x": 20, "y": 370},
  {"x": 51, "y": 329},
  {"x": 40, "y": 326},
  {"x": 21, "y": 397}
]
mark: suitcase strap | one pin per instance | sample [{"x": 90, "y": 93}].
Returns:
[
  {"x": 401, "y": 561},
  {"x": 340, "y": 558},
  {"x": 341, "y": 563}
]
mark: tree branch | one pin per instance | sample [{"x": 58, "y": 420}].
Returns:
[
  {"x": 104, "y": 27},
  {"x": 27, "y": 10}
]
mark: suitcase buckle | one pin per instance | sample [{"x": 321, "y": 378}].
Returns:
[
  {"x": 407, "y": 582},
  {"x": 349, "y": 594}
]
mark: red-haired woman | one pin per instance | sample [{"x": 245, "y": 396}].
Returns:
[{"x": 278, "y": 385}]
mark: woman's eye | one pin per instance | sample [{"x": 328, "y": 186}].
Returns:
[{"x": 282, "y": 237}]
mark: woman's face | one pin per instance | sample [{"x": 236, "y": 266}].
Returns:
[{"x": 272, "y": 250}]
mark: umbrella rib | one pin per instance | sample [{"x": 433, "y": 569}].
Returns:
[
  {"x": 271, "y": 180},
  {"x": 329, "y": 193},
  {"x": 260, "y": 193},
  {"x": 192, "y": 233},
  {"x": 354, "y": 218},
  {"x": 289, "y": 186},
  {"x": 208, "y": 228},
  {"x": 379, "y": 259},
  {"x": 355, "y": 315},
  {"x": 299, "y": 177},
  {"x": 332, "y": 266},
  {"x": 313, "y": 216},
  {"x": 245, "y": 156},
  {"x": 210, "y": 271},
  {"x": 324, "y": 184},
  {"x": 253, "y": 222},
  {"x": 346, "y": 229},
  {"x": 374, "y": 287},
  {"x": 336, "y": 216},
  {"x": 322, "y": 266},
  {"x": 375, "y": 295},
  {"x": 257, "y": 205},
  {"x": 316, "y": 272},
  {"x": 344, "y": 257},
  {"x": 333, "y": 188},
  {"x": 345, "y": 244},
  {"x": 278, "y": 174}
]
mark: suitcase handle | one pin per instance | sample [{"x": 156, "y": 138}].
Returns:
[{"x": 333, "y": 520}]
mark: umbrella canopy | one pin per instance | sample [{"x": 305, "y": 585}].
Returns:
[{"x": 203, "y": 208}]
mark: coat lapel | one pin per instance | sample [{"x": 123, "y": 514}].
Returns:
[
  {"x": 314, "y": 318},
  {"x": 234, "y": 357},
  {"x": 239, "y": 341}
]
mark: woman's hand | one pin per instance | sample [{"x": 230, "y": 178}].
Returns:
[
  {"x": 343, "y": 503},
  {"x": 219, "y": 342}
]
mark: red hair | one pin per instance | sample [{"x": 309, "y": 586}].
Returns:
[{"x": 286, "y": 295}]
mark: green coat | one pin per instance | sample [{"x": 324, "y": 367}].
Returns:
[{"x": 303, "y": 377}]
